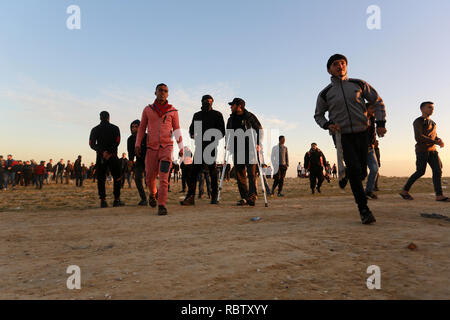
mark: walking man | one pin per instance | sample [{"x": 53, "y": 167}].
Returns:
[
  {"x": 205, "y": 121},
  {"x": 427, "y": 139},
  {"x": 105, "y": 139},
  {"x": 345, "y": 101},
  {"x": 161, "y": 121},
  {"x": 78, "y": 172},
  {"x": 242, "y": 125},
  {"x": 314, "y": 162},
  {"x": 139, "y": 164},
  {"x": 280, "y": 162}
]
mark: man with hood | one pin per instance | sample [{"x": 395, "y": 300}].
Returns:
[
  {"x": 105, "y": 139},
  {"x": 205, "y": 121},
  {"x": 345, "y": 101},
  {"x": 161, "y": 121},
  {"x": 241, "y": 126},
  {"x": 139, "y": 164}
]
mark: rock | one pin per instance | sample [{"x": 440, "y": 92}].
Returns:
[
  {"x": 412, "y": 246},
  {"x": 255, "y": 219}
]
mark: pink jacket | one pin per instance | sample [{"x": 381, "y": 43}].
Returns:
[{"x": 159, "y": 129}]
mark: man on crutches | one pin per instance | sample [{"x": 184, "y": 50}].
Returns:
[{"x": 244, "y": 143}]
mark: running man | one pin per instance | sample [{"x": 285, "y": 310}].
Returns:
[
  {"x": 427, "y": 139},
  {"x": 345, "y": 101},
  {"x": 161, "y": 121},
  {"x": 105, "y": 139}
]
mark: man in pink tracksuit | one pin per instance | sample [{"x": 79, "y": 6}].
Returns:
[{"x": 161, "y": 121}]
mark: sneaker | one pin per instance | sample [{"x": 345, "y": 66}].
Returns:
[
  {"x": 118, "y": 203},
  {"x": 241, "y": 202},
  {"x": 103, "y": 203},
  {"x": 367, "y": 216},
  {"x": 188, "y": 201},
  {"x": 371, "y": 195},
  {"x": 152, "y": 201},
  {"x": 143, "y": 203},
  {"x": 251, "y": 201},
  {"x": 280, "y": 195},
  {"x": 162, "y": 211},
  {"x": 214, "y": 200}
]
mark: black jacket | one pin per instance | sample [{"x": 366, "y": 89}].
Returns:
[
  {"x": 105, "y": 137},
  {"x": 244, "y": 121},
  {"x": 131, "y": 142},
  {"x": 210, "y": 119},
  {"x": 314, "y": 160},
  {"x": 77, "y": 167}
]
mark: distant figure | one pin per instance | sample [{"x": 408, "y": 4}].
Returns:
[
  {"x": 280, "y": 162},
  {"x": 60, "y": 171},
  {"x": 334, "y": 171},
  {"x": 299, "y": 170},
  {"x": 314, "y": 162},
  {"x": 123, "y": 169},
  {"x": 372, "y": 162},
  {"x": 186, "y": 167},
  {"x": 39, "y": 172},
  {"x": 49, "y": 173},
  {"x": 77, "y": 167},
  {"x": 105, "y": 139},
  {"x": 427, "y": 139}
]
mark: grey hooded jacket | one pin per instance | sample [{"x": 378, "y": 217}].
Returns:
[{"x": 345, "y": 101}]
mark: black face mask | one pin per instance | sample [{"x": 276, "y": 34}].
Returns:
[{"x": 205, "y": 105}]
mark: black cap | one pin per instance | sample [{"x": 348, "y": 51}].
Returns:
[
  {"x": 207, "y": 96},
  {"x": 335, "y": 57},
  {"x": 237, "y": 101}
]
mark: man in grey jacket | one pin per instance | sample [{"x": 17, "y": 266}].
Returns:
[{"x": 345, "y": 101}]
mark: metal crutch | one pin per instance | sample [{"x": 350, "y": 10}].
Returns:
[
  {"x": 266, "y": 204},
  {"x": 224, "y": 167}
]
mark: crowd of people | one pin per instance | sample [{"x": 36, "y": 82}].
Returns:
[{"x": 356, "y": 117}]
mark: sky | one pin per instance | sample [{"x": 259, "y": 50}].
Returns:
[{"x": 54, "y": 81}]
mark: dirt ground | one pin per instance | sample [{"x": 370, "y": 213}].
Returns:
[{"x": 303, "y": 247}]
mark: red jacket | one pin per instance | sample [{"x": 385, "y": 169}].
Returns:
[{"x": 39, "y": 170}]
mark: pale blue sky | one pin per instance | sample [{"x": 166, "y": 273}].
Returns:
[{"x": 55, "y": 81}]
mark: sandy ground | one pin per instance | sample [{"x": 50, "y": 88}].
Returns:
[{"x": 304, "y": 246}]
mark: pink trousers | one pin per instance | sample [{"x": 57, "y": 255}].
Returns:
[{"x": 158, "y": 162}]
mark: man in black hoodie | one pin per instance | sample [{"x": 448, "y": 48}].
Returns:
[
  {"x": 104, "y": 139},
  {"x": 314, "y": 162},
  {"x": 78, "y": 172},
  {"x": 244, "y": 124},
  {"x": 202, "y": 121},
  {"x": 139, "y": 165}
]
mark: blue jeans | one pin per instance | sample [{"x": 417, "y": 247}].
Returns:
[
  {"x": 39, "y": 181},
  {"x": 10, "y": 176},
  {"x": 372, "y": 163}
]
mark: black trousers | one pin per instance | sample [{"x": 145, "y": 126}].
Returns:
[
  {"x": 139, "y": 171},
  {"x": 422, "y": 158},
  {"x": 316, "y": 177},
  {"x": 278, "y": 178},
  {"x": 186, "y": 172},
  {"x": 79, "y": 180},
  {"x": 113, "y": 164},
  {"x": 355, "y": 146},
  {"x": 242, "y": 170},
  {"x": 192, "y": 181}
]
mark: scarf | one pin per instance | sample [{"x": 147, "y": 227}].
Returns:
[{"x": 161, "y": 109}]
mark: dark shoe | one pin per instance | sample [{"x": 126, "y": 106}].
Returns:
[
  {"x": 152, "y": 201},
  {"x": 406, "y": 196},
  {"x": 251, "y": 201},
  {"x": 162, "y": 211},
  {"x": 182, "y": 191},
  {"x": 367, "y": 216},
  {"x": 188, "y": 201},
  {"x": 214, "y": 200},
  {"x": 312, "y": 191},
  {"x": 103, "y": 203},
  {"x": 371, "y": 195},
  {"x": 280, "y": 195},
  {"x": 118, "y": 203},
  {"x": 143, "y": 203},
  {"x": 376, "y": 189},
  {"x": 318, "y": 189},
  {"x": 343, "y": 183},
  {"x": 241, "y": 202}
]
